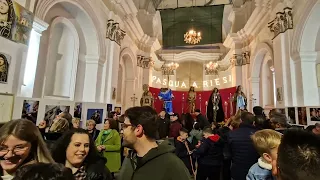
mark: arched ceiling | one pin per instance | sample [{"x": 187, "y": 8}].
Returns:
[{"x": 171, "y": 4}]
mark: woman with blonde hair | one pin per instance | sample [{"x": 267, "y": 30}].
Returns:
[
  {"x": 56, "y": 131},
  {"x": 21, "y": 143},
  {"x": 76, "y": 123}
]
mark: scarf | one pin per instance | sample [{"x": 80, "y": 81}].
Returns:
[{"x": 105, "y": 134}]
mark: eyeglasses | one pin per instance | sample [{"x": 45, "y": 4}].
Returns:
[{"x": 16, "y": 150}]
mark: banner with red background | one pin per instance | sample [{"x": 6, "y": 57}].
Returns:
[{"x": 180, "y": 103}]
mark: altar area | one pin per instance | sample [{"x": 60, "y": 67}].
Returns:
[{"x": 180, "y": 104}]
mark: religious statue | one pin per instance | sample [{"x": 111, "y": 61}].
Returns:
[
  {"x": 166, "y": 96},
  {"x": 240, "y": 99},
  {"x": 214, "y": 109},
  {"x": 147, "y": 98},
  {"x": 4, "y": 69},
  {"x": 114, "y": 32},
  {"x": 191, "y": 100}
]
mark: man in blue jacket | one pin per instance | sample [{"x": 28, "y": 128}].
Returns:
[{"x": 243, "y": 152}]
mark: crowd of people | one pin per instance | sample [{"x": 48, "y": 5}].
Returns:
[{"x": 141, "y": 144}]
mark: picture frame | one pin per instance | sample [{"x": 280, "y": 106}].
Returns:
[
  {"x": 6, "y": 107},
  {"x": 279, "y": 94}
]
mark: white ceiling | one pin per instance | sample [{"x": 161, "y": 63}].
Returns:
[{"x": 168, "y": 4}]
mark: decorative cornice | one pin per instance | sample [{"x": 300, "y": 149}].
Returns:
[
  {"x": 144, "y": 62},
  {"x": 190, "y": 55},
  {"x": 39, "y": 25}
]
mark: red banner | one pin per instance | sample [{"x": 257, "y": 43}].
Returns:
[{"x": 180, "y": 100}]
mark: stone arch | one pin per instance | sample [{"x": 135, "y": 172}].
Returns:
[
  {"x": 302, "y": 28},
  {"x": 45, "y": 5},
  {"x": 262, "y": 55},
  {"x": 127, "y": 62},
  {"x": 304, "y": 54},
  {"x": 61, "y": 76},
  {"x": 262, "y": 50}
]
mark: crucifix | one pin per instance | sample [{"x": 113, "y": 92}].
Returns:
[{"x": 134, "y": 99}]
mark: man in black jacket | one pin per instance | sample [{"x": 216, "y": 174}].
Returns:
[
  {"x": 210, "y": 156},
  {"x": 163, "y": 124},
  {"x": 243, "y": 152},
  {"x": 201, "y": 119}
]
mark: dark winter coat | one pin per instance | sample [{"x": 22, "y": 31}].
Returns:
[
  {"x": 174, "y": 129},
  {"x": 203, "y": 121},
  {"x": 98, "y": 171},
  {"x": 163, "y": 127},
  {"x": 210, "y": 152},
  {"x": 243, "y": 152},
  {"x": 159, "y": 163},
  {"x": 182, "y": 152}
]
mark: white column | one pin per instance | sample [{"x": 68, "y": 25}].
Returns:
[
  {"x": 255, "y": 87},
  {"x": 274, "y": 86},
  {"x": 25, "y": 83},
  {"x": 112, "y": 67},
  {"x": 236, "y": 72},
  {"x": 306, "y": 79},
  {"x": 129, "y": 86},
  {"x": 281, "y": 47},
  {"x": 90, "y": 78}
]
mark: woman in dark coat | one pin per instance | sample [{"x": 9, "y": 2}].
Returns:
[
  {"x": 90, "y": 166},
  {"x": 215, "y": 102}
]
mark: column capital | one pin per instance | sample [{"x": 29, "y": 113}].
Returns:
[{"x": 39, "y": 25}]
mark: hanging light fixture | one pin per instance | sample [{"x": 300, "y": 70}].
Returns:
[
  {"x": 192, "y": 36},
  {"x": 212, "y": 68}
]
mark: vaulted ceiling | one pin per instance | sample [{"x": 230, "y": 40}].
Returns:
[{"x": 172, "y": 4}]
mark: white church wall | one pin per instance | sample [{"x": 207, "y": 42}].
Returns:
[{"x": 14, "y": 50}]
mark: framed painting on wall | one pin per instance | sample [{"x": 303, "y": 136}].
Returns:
[
  {"x": 315, "y": 114},
  {"x": 4, "y": 67},
  {"x": 6, "y": 107},
  {"x": 77, "y": 110},
  {"x": 95, "y": 114},
  {"x": 30, "y": 110},
  {"x": 292, "y": 115},
  {"x": 279, "y": 94},
  {"x": 51, "y": 111},
  {"x": 302, "y": 115}
]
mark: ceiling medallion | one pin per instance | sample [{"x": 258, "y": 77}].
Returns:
[{"x": 192, "y": 37}]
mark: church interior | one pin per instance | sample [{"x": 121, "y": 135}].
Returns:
[{"x": 90, "y": 57}]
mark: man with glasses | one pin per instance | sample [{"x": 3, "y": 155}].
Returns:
[{"x": 148, "y": 160}]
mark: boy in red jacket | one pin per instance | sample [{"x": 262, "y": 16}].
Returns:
[{"x": 210, "y": 156}]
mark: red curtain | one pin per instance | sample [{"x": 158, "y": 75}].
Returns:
[{"x": 180, "y": 100}]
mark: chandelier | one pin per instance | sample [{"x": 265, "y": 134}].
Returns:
[
  {"x": 192, "y": 37},
  {"x": 212, "y": 68},
  {"x": 169, "y": 68}
]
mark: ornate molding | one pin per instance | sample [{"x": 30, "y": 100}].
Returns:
[
  {"x": 144, "y": 62},
  {"x": 282, "y": 22},
  {"x": 166, "y": 70},
  {"x": 246, "y": 57},
  {"x": 114, "y": 32},
  {"x": 236, "y": 60}
]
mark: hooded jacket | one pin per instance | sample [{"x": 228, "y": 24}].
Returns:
[
  {"x": 159, "y": 163},
  {"x": 210, "y": 152}
]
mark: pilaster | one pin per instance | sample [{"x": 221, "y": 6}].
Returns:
[
  {"x": 29, "y": 60},
  {"x": 306, "y": 79}
]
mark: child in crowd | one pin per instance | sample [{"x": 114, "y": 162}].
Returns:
[
  {"x": 175, "y": 126},
  {"x": 184, "y": 150},
  {"x": 210, "y": 156},
  {"x": 195, "y": 134},
  {"x": 266, "y": 142}
]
